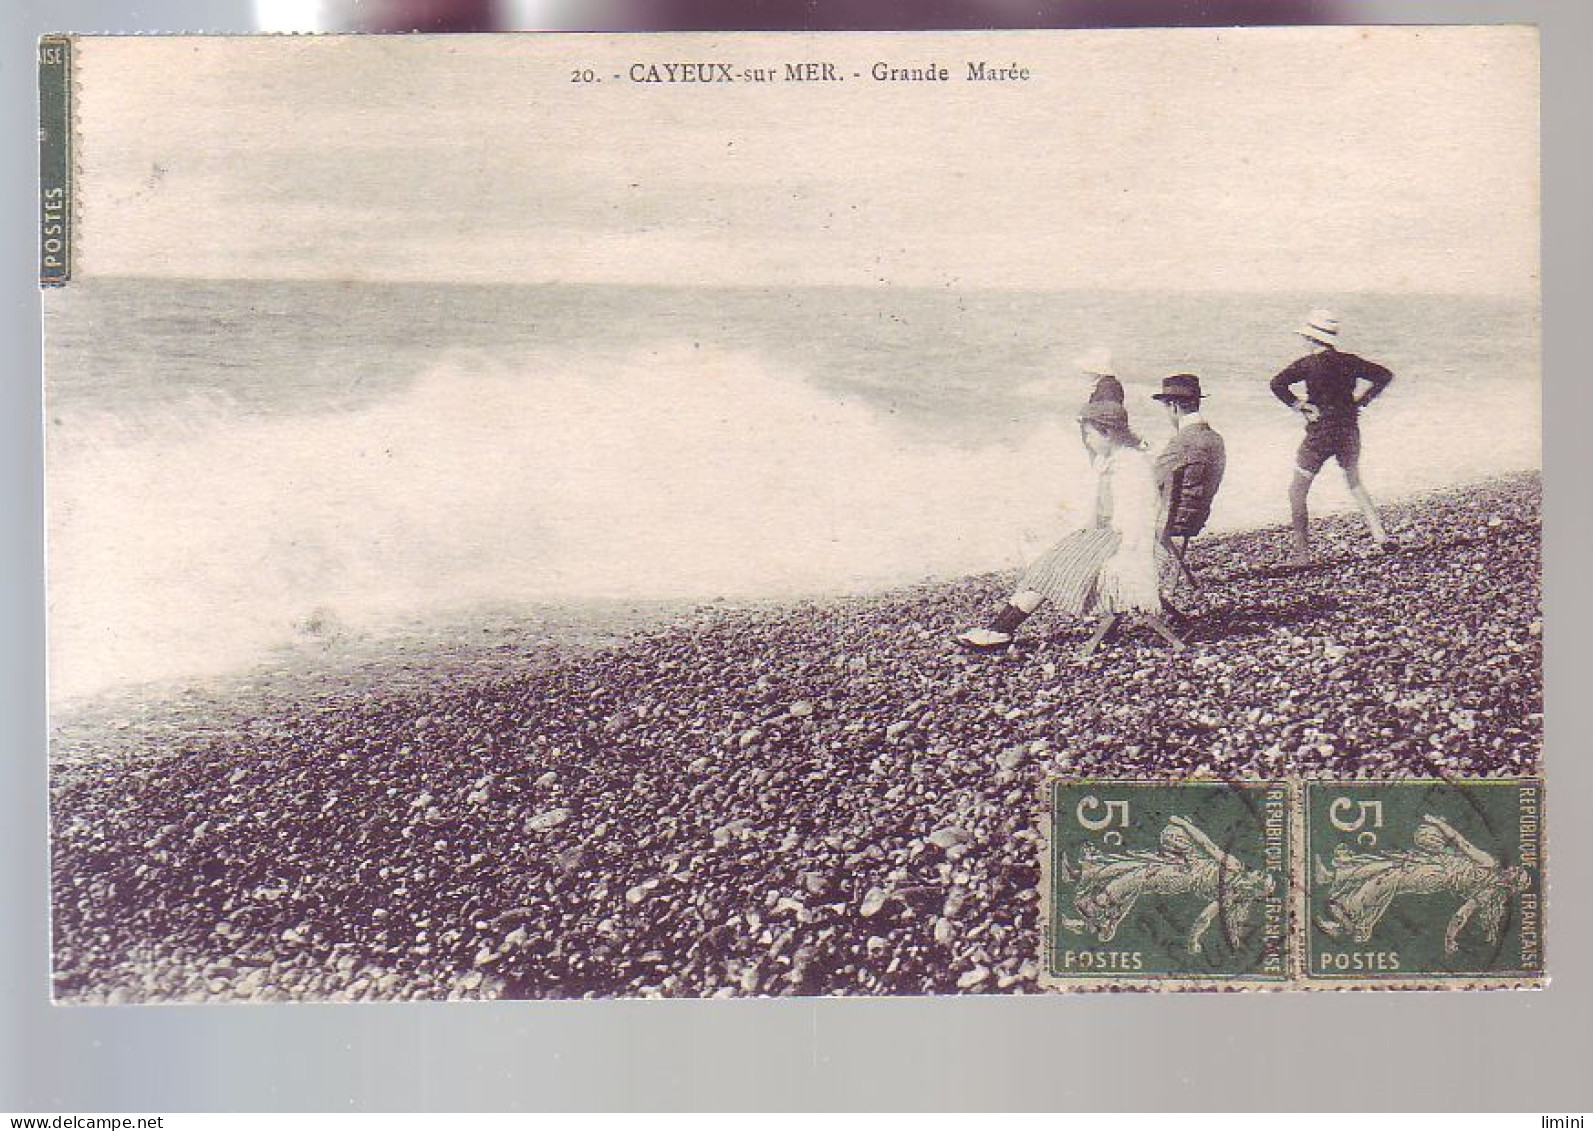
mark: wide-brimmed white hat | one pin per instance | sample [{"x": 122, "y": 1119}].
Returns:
[
  {"x": 1320, "y": 326},
  {"x": 1096, "y": 361}
]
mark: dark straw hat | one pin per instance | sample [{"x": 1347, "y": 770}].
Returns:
[
  {"x": 1180, "y": 386},
  {"x": 1104, "y": 414},
  {"x": 1111, "y": 418}
]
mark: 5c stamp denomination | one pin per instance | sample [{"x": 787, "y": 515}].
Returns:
[
  {"x": 1167, "y": 881},
  {"x": 1427, "y": 881}
]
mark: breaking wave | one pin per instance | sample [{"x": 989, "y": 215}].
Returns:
[{"x": 189, "y": 539}]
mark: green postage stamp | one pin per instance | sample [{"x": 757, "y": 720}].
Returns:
[
  {"x": 1424, "y": 881},
  {"x": 1291, "y": 884},
  {"x": 1158, "y": 882}
]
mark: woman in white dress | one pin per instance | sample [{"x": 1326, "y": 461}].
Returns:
[{"x": 1109, "y": 566}]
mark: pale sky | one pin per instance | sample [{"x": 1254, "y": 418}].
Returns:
[{"x": 1321, "y": 159}]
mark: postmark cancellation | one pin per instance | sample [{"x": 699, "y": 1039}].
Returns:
[{"x": 1309, "y": 884}]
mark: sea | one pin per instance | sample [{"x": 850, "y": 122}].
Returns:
[{"x": 231, "y": 464}]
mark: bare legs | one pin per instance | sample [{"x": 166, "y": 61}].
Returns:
[
  {"x": 1300, "y": 489},
  {"x": 1363, "y": 501}
]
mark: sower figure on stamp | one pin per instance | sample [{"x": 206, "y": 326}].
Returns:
[
  {"x": 1190, "y": 468},
  {"x": 1364, "y": 884},
  {"x": 1110, "y": 566},
  {"x": 1331, "y": 407},
  {"x": 1188, "y": 861}
]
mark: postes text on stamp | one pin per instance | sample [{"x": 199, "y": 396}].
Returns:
[
  {"x": 1158, "y": 881},
  {"x": 1430, "y": 881}
]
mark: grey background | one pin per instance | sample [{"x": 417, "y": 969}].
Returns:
[{"x": 1386, "y": 1051}]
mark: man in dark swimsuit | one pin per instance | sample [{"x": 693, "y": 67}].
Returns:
[{"x": 1331, "y": 407}]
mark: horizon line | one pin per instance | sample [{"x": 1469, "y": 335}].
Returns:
[{"x": 1522, "y": 294}]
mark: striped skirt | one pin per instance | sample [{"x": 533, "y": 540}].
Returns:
[{"x": 1069, "y": 576}]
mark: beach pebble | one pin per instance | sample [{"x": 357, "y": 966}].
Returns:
[
  {"x": 873, "y": 903},
  {"x": 548, "y": 819},
  {"x": 971, "y": 978},
  {"x": 640, "y": 891},
  {"x": 814, "y": 883},
  {"x": 948, "y": 837}
]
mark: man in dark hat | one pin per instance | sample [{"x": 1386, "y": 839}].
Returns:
[
  {"x": 1190, "y": 468},
  {"x": 1331, "y": 406}
]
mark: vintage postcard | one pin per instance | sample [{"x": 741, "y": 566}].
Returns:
[{"x": 565, "y": 516}]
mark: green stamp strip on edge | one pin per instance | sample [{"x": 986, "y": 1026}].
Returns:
[
  {"x": 55, "y": 160},
  {"x": 1168, "y": 880},
  {"x": 1429, "y": 880}
]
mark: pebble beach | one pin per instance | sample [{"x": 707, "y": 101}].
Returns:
[{"x": 813, "y": 798}]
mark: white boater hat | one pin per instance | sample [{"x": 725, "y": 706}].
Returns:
[
  {"x": 1320, "y": 326},
  {"x": 1096, "y": 361}
]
